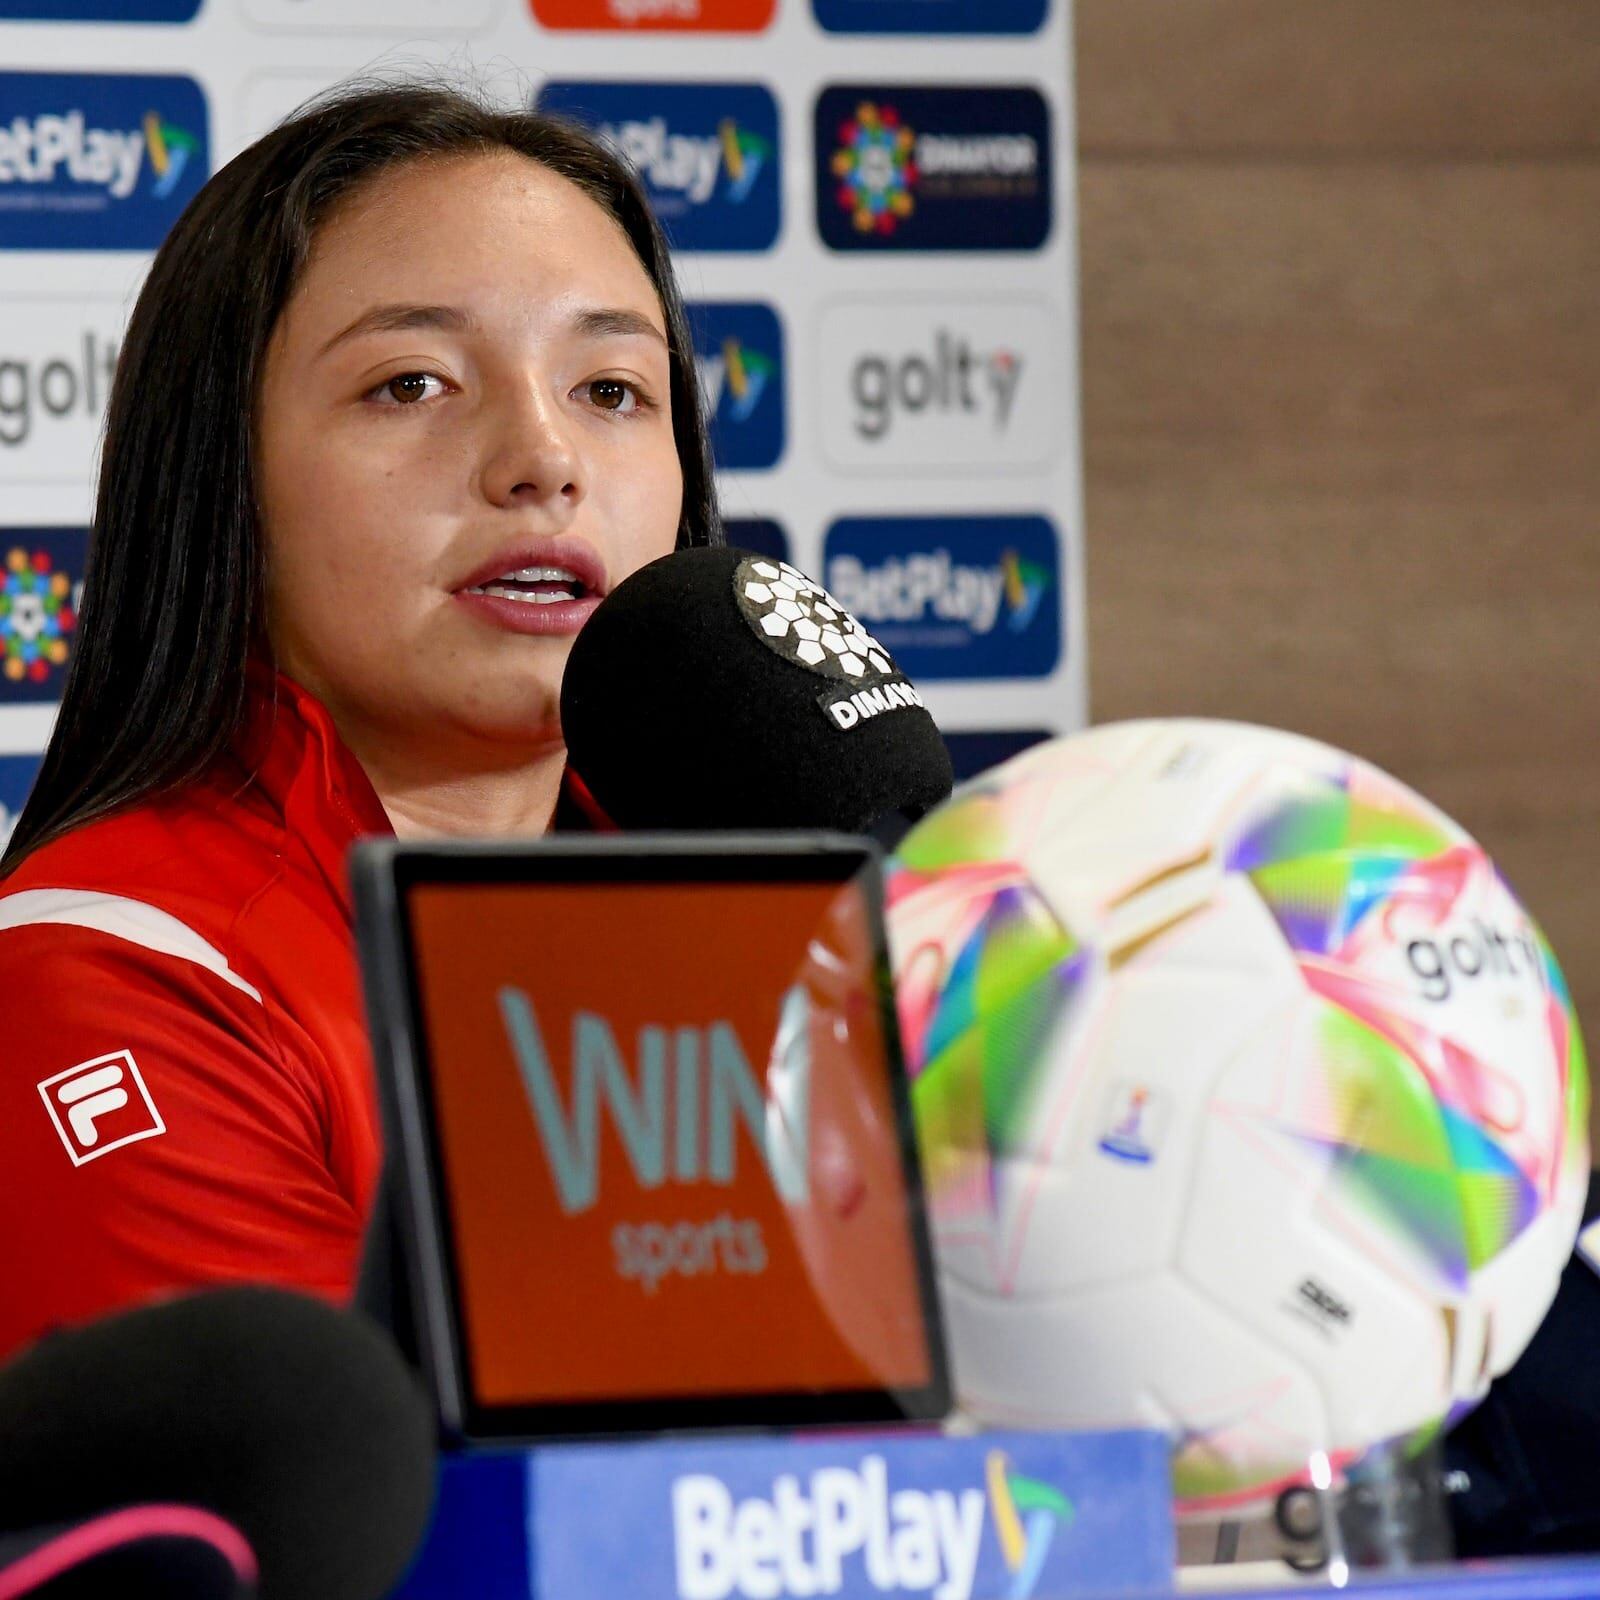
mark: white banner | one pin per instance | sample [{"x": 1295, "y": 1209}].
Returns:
[{"x": 872, "y": 207}]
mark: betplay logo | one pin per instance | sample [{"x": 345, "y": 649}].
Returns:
[
  {"x": 708, "y": 154},
  {"x": 98, "y": 10},
  {"x": 802, "y": 1539},
  {"x": 917, "y": 16},
  {"x": 953, "y": 597},
  {"x": 739, "y": 356},
  {"x": 909, "y": 168},
  {"x": 97, "y": 162},
  {"x": 16, "y": 779},
  {"x": 948, "y": 386}
]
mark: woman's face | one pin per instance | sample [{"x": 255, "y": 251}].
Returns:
[{"x": 463, "y": 440}]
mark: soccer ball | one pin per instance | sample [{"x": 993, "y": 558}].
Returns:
[{"x": 1251, "y": 1103}]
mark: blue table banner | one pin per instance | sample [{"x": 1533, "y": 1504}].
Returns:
[{"x": 994, "y": 1517}]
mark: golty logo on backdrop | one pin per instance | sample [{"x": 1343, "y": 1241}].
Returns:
[
  {"x": 16, "y": 779},
  {"x": 947, "y": 385},
  {"x": 708, "y": 154},
  {"x": 41, "y": 586},
  {"x": 738, "y": 349},
  {"x": 97, "y": 161},
  {"x": 717, "y": 16},
  {"x": 57, "y": 359},
  {"x": 818, "y": 1535},
  {"x": 98, "y": 10},
  {"x": 906, "y": 168},
  {"x": 917, "y": 16},
  {"x": 953, "y": 597}
]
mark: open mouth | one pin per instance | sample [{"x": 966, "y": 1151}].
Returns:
[{"x": 535, "y": 586}]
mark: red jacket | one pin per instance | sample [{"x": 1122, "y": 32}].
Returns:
[{"x": 188, "y": 1094}]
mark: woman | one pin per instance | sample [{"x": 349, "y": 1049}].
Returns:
[{"x": 407, "y": 390}]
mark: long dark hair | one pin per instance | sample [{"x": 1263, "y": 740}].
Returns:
[{"x": 173, "y": 589}]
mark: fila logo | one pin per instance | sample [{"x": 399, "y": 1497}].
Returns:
[{"x": 98, "y": 1106}]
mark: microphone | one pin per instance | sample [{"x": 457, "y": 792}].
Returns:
[
  {"x": 298, "y": 1424},
  {"x": 719, "y": 688}
]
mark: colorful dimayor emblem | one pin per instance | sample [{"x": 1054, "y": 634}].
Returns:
[
  {"x": 932, "y": 167},
  {"x": 875, "y": 168},
  {"x": 40, "y": 578},
  {"x": 36, "y": 616}
]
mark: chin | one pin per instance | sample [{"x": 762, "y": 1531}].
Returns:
[{"x": 531, "y": 717}]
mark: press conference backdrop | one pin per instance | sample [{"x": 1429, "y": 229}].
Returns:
[{"x": 872, "y": 207}]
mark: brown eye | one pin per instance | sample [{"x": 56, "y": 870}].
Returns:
[
  {"x": 610, "y": 394},
  {"x": 408, "y": 387}
]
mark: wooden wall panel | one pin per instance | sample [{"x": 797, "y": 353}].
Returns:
[
  {"x": 1495, "y": 77},
  {"x": 1342, "y": 400}
]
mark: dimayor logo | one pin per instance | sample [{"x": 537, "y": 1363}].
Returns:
[
  {"x": 708, "y": 154},
  {"x": 917, "y": 16},
  {"x": 875, "y": 169},
  {"x": 97, "y": 162},
  {"x": 41, "y": 584},
  {"x": 902, "y": 168},
  {"x": 16, "y": 779},
  {"x": 851, "y": 1530},
  {"x": 739, "y": 357},
  {"x": 953, "y": 597}
]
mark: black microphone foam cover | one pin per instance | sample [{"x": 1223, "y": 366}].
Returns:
[
  {"x": 718, "y": 688},
  {"x": 297, "y": 1423}
]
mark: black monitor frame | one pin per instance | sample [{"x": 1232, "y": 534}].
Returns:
[{"x": 383, "y": 875}]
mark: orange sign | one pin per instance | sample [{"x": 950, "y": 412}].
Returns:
[
  {"x": 709, "y": 16},
  {"x": 670, "y": 1151}
]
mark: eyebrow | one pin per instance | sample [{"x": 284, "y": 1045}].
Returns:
[
  {"x": 600, "y": 322},
  {"x": 402, "y": 318},
  {"x": 611, "y": 322}
]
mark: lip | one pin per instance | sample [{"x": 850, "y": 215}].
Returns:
[{"x": 576, "y": 555}]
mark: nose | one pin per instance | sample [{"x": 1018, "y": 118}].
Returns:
[{"x": 531, "y": 455}]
